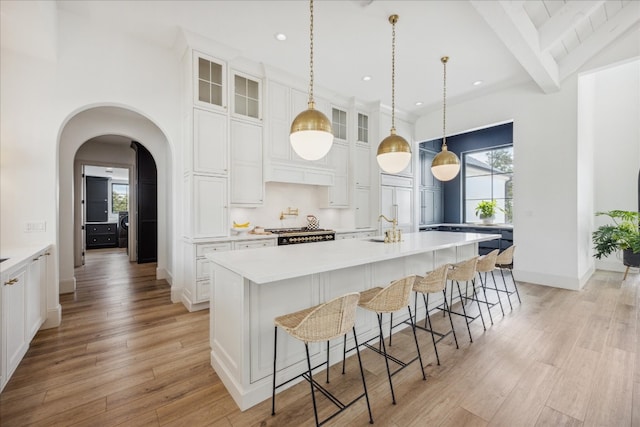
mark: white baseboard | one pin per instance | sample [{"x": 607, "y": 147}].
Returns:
[
  {"x": 162, "y": 273},
  {"x": 563, "y": 282},
  {"x": 67, "y": 286},
  {"x": 54, "y": 318}
]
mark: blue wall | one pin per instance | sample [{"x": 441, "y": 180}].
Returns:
[{"x": 471, "y": 141}]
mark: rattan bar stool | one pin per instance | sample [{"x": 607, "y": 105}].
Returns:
[
  {"x": 431, "y": 283},
  {"x": 504, "y": 261},
  {"x": 388, "y": 300},
  {"x": 317, "y": 324},
  {"x": 486, "y": 264},
  {"x": 465, "y": 271}
]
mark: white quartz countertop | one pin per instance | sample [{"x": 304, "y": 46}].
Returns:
[
  {"x": 266, "y": 265},
  {"x": 17, "y": 255}
]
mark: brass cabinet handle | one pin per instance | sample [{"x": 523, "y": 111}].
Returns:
[{"x": 11, "y": 282}]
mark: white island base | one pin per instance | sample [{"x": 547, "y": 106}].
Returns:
[{"x": 252, "y": 287}]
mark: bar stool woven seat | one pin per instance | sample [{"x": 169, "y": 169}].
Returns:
[
  {"x": 486, "y": 264},
  {"x": 433, "y": 282},
  {"x": 388, "y": 300},
  {"x": 315, "y": 324},
  {"x": 465, "y": 271}
]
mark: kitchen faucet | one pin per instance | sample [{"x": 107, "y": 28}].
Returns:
[
  {"x": 393, "y": 235},
  {"x": 288, "y": 212}
]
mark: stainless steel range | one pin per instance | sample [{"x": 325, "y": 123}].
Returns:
[{"x": 293, "y": 236}]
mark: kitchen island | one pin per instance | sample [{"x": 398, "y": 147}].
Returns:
[{"x": 252, "y": 287}]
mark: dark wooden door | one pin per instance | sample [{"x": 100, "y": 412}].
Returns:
[
  {"x": 97, "y": 194},
  {"x": 147, "y": 205}
]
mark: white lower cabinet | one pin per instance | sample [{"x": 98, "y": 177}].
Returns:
[
  {"x": 198, "y": 285},
  {"x": 355, "y": 235},
  {"x": 23, "y": 310}
]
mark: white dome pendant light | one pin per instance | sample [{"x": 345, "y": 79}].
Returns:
[
  {"x": 445, "y": 165},
  {"x": 311, "y": 136},
  {"x": 394, "y": 152}
]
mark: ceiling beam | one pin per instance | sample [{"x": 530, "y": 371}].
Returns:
[
  {"x": 513, "y": 26},
  {"x": 625, "y": 19},
  {"x": 564, "y": 20}
]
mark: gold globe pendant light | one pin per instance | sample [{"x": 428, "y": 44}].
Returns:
[
  {"x": 394, "y": 152},
  {"x": 445, "y": 165},
  {"x": 311, "y": 136}
]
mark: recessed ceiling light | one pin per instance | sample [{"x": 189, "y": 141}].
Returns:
[
  {"x": 366, "y": 78},
  {"x": 280, "y": 36},
  {"x": 418, "y": 103},
  {"x": 478, "y": 82}
]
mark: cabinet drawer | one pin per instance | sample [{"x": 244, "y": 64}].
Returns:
[
  {"x": 342, "y": 236},
  {"x": 202, "y": 290},
  {"x": 202, "y": 250},
  {"x": 101, "y": 228},
  {"x": 202, "y": 269},
  {"x": 101, "y": 239},
  {"x": 253, "y": 244}
]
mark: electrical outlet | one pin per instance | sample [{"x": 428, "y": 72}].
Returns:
[{"x": 35, "y": 227}]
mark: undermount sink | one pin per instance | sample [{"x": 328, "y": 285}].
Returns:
[
  {"x": 3, "y": 259},
  {"x": 377, "y": 239}
]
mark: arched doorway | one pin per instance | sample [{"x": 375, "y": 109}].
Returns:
[{"x": 81, "y": 127}]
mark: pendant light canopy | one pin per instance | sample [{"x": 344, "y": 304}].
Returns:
[
  {"x": 445, "y": 165},
  {"x": 311, "y": 136},
  {"x": 394, "y": 152}
]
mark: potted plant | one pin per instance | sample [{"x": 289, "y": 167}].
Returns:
[
  {"x": 623, "y": 235},
  {"x": 486, "y": 211}
]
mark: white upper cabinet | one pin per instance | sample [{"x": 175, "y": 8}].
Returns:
[
  {"x": 362, "y": 166},
  {"x": 279, "y": 121},
  {"x": 338, "y": 193},
  {"x": 210, "y": 206},
  {"x": 210, "y": 82},
  {"x": 247, "y": 96},
  {"x": 246, "y": 164},
  {"x": 210, "y": 144}
]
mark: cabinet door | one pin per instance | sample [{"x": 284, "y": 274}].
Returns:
[
  {"x": 210, "y": 206},
  {"x": 362, "y": 166},
  {"x": 210, "y": 153},
  {"x": 299, "y": 103},
  {"x": 279, "y": 121},
  {"x": 246, "y": 163},
  {"x": 13, "y": 312},
  {"x": 404, "y": 201},
  {"x": 338, "y": 193},
  {"x": 363, "y": 213},
  {"x": 387, "y": 205},
  {"x": 34, "y": 294}
]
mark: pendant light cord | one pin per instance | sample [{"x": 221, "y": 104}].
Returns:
[
  {"x": 444, "y": 60},
  {"x": 311, "y": 51},
  {"x": 393, "y": 20}
]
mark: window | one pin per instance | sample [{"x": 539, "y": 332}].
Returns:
[
  {"x": 339, "y": 123},
  {"x": 119, "y": 198},
  {"x": 488, "y": 175},
  {"x": 209, "y": 82},
  {"x": 247, "y": 97},
  {"x": 363, "y": 127}
]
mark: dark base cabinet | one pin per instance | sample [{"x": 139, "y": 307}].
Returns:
[
  {"x": 483, "y": 247},
  {"x": 104, "y": 235}
]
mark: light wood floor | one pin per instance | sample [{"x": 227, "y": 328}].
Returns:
[{"x": 124, "y": 355}]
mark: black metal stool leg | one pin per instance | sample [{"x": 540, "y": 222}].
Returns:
[
  {"x": 515, "y": 285},
  {"x": 344, "y": 352},
  {"x": 415, "y": 337},
  {"x": 505, "y": 287},
  {"x": 484, "y": 290},
  {"x": 453, "y": 330},
  {"x": 386, "y": 359},
  {"x": 390, "y": 329},
  {"x": 475, "y": 296},
  {"x": 464, "y": 312},
  {"x": 327, "y": 362},
  {"x": 364, "y": 383},
  {"x": 433, "y": 338},
  {"x": 495, "y": 285},
  {"x": 275, "y": 349},
  {"x": 313, "y": 396}
]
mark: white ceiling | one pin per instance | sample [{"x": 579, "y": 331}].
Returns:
[
  {"x": 118, "y": 174},
  {"x": 498, "y": 42}
]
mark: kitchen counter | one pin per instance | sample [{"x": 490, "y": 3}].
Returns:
[
  {"x": 250, "y": 288},
  {"x": 477, "y": 225},
  {"x": 17, "y": 255}
]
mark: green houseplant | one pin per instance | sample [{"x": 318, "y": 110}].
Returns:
[
  {"x": 623, "y": 235},
  {"x": 486, "y": 210}
]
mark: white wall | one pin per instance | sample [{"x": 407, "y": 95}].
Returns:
[
  {"x": 549, "y": 219},
  {"x": 615, "y": 96}
]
